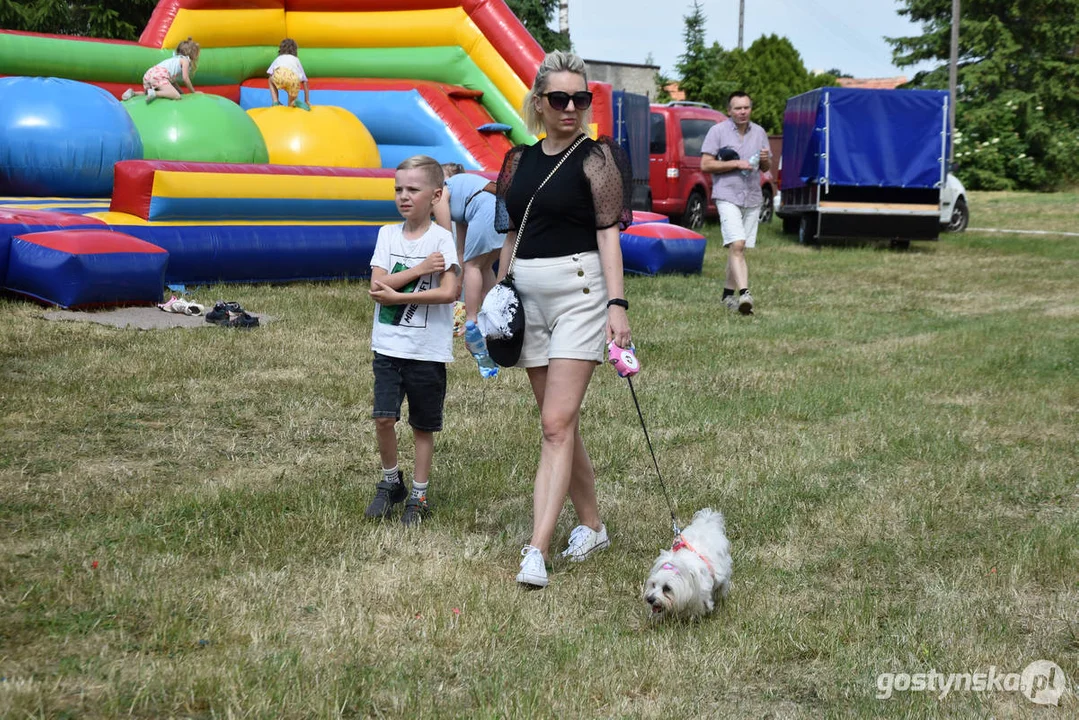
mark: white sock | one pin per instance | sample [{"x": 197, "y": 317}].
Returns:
[
  {"x": 418, "y": 489},
  {"x": 391, "y": 474}
]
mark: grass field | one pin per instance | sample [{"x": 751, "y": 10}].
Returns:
[{"x": 892, "y": 438}]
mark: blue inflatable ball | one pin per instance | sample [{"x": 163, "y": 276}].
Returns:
[{"x": 61, "y": 137}]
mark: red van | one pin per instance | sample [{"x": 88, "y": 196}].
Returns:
[{"x": 679, "y": 188}]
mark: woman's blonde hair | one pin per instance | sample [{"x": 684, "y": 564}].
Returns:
[
  {"x": 554, "y": 62},
  {"x": 430, "y": 167},
  {"x": 190, "y": 50}
]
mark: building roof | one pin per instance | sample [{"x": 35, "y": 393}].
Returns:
[
  {"x": 889, "y": 83},
  {"x": 622, "y": 64}
]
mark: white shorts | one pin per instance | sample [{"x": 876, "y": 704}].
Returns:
[
  {"x": 565, "y": 304},
  {"x": 738, "y": 223}
]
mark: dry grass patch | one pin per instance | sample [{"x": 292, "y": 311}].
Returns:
[{"x": 890, "y": 438}]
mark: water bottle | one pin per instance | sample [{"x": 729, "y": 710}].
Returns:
[
  {"x": 478, "y": 347},
  {"x": 754, "y": 163}
]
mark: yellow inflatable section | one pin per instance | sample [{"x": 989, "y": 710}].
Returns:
[
  {"x": 227, "y": 28},
  {"x": 406, "y": 28},
  {"x": 324, "y": 135}
]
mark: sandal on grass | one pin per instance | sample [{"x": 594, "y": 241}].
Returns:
[
  {"x": 241, "y": 320},
  {"x": 221, "y": 312}
]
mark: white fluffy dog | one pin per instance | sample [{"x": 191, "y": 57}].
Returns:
[{"x": 686, "y": 579}]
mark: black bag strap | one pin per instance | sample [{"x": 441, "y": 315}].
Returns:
[{"x": 524, "y": 218}]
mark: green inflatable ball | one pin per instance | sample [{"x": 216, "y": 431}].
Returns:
[{"x": 196, "y": 128}]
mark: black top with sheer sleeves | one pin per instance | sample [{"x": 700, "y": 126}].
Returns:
[{"x": 591, "y": 191}]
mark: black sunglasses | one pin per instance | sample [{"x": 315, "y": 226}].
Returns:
[{"x": 582, "y": 99}]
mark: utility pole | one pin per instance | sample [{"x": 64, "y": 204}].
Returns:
[
  {"x": 742, "y": 20},
  {"x": 563, "y": 17},
  {"x": 952, "y": 73}
]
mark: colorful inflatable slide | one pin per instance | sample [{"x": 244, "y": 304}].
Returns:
[{"x": 236, "y": 190}]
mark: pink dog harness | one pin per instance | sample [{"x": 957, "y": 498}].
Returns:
[{"x": 681, "y": 544}]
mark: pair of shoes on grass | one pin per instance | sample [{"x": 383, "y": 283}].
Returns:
[
  {"x": 583, "y": 541},
  {"x": 179, "y": 305},
  {"x": 742, "y": 303},
  {"x": 231, "y": 314},
  {"x": 390, "y": 493}
]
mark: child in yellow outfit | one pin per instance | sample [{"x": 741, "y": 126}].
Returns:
[{"x": 286, "y": 73}]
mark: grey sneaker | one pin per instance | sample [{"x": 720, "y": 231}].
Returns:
[
  {"x": 387, "y": 494},
  {"x": 416, "y": 509},
  {"x": 533, "y": 572},
  {"x": 128, "y": 94},
  {"x": 745, "y": 303},
  {"x": 583, "y": 541},
  {"x": 731, "y": 302}
]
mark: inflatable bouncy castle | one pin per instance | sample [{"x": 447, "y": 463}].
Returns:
[{"x": 232, "y": 188}]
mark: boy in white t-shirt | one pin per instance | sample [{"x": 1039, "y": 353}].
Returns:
[
  {"x": 414, "y": 282},
  {"x": 286, "y": 73}
]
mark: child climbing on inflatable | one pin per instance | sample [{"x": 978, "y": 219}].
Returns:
[
  {"x": 286, "y": 73},
  {"x": 162, "y": 79}
]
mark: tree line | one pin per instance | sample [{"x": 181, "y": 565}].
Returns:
[{"x": 1017, "y": 104}]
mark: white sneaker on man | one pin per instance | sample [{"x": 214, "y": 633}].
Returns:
[
  {"x": 583, "y": 541},
  {"x": 533, "y": 571}
]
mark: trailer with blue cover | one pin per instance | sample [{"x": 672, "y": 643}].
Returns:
[{"x": 864, "y": 164}]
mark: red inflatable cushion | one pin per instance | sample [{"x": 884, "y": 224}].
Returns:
[{"x": 90, "y": 242}]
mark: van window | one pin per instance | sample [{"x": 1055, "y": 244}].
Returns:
[
  {"x": 693, "y": 132},
  {"x": 658, "y": 142}
]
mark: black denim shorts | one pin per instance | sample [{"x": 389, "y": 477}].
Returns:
[{"x": 423, "y": 382}]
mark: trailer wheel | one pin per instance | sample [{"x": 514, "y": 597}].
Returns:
[
  {"x": 693, "y": 217},
  {"x": 790, "y": 224},
  {"x": 807, "y": 229}
]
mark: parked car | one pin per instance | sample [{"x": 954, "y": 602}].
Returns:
[{"x": 679, "y": 189}]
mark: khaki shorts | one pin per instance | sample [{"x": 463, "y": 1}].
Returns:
[
  {"x": 565, "y": 304},
  {"x": 738, "y": 223}
]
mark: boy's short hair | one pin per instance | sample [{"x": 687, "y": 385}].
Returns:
[
  {"x": 288, "y": 47},
  {"x": 431, "y": 168}
]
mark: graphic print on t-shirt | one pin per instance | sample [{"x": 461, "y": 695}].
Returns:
[{"x": 407, "y": 314}]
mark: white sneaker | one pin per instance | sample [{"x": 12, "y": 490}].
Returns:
[
  {"x": 745, "y": 303},
  {"x": 150, "y": 95},
  {"x": 583, "y": 541},
  {"x": 128, "y": 94},
  {"x": 533, "y": 571}
]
